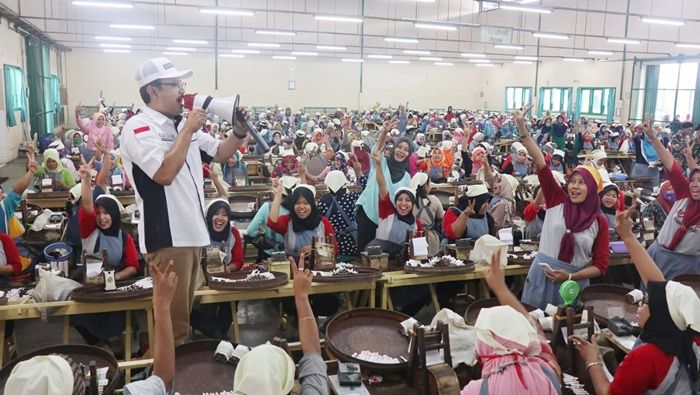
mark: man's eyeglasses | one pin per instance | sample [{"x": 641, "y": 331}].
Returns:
[{"x": 179, "y": 84}]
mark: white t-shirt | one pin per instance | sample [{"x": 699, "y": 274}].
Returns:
[{"x": 171, "y": 215}]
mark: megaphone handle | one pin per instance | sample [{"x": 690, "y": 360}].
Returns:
[{"x": 208, "y": 100}]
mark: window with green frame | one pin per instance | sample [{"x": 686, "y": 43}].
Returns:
[
  {"x": 55, "y": 98},
  {"x": 595, "y": 102},
  {"x": 555, "y": 100},
  {"x": 15, "y": 96},
  {"x": 517, "y": 96}
]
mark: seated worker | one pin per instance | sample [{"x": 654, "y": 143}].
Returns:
[
  {"x": 557, "y": 161},
  {"x": 395, "y": 218},
  {"x": 234, "y": 171},
  {"x": 428, "y": 211},
  {"x": 52, "y": 168},
  {"x": 470, "y": 218},
  {"x": 665, "y": 360},
  {"x": 100, "y": 230},
  {"x": 515, "y": 355},
  {"x": 269, "y": 370},
  {"x": 259, "y": 234},
  {"x": 609, "y": 202},
  {"x": 658, "y": 209}
]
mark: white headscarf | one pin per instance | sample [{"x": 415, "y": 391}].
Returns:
[{"x": 264, "y": 370}]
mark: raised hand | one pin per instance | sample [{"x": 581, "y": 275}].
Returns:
[
  {"x": 84, "y": 172},
  {"x": 520, "y": 121},
  {"x": 469, "y": 211},
  {"x": 377, "y": 157},
  {"x": 164, "y": 285},
  {"x": 495, "y": 277},
  {"x": 277, "y": 187},
  {"x": 623, "y": 221},
  {"x": 388, "y": 125}
]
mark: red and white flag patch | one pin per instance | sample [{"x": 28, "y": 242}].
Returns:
[{"x": 142, "y": 129}]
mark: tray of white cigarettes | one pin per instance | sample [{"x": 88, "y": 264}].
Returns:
[
  {"x": 15, "y": 295},
  {"x": 439, "y": 265},
  {"x": 521, "y": 257},
  {"x": 206, "y": 367},
  {"x": 345, "y": 272},
  {"x": 372, "y": 338},
  {"x": 126, "y": 290},
  {"x": 247, "y": 280}
]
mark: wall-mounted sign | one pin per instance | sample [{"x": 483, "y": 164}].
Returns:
[{"x": 496, "y": 35}]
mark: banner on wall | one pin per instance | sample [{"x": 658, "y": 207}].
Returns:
[{"x": 496, "y": 35}]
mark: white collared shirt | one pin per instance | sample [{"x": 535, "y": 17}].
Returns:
[{"x": 171, "y": 215}]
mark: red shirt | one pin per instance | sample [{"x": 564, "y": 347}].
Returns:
[
  {"x": 88, "y": 223},
  {"x": 11, "y": 252},
  {"x": 283, "y": 222},
  {"x": 237, "y": 255},
  {"x": 530, "y": 211},
  {"x": 386, "y": 208}
]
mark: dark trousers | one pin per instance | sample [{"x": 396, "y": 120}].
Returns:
[{"x": 366, "y": 229}]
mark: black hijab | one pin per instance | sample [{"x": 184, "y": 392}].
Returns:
[
  {"x": 661, "y": 331},
  {"x": 408, "y": 218},
  {"x": 464, "y": 201},
  {"x": 397, "y": 170},
  {"x": 309, "y": 223},
  {"x": 606, "y": 210},
  {"x": 213, "y": 208},
  {"x": 112, "y": 208}
]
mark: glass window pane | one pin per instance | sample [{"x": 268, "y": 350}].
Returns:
[
  {"x": 639, "y": 109},
  {"x": 665, "y": 100},
  {"x": 606, "y": 100},
  {"x": 684, "y": 104},
  {"x": 528, "y": 96},
  {"x": 597, "y": 101},
  {"x": 556, "y": 99},
  {"x": 509, "y": 97},
  {"x": 688, "y": 75},
  {"x": 585, "y": 105},
  {"x": 565, "y": 103},
  {"x": 546, "y": 97},
  {"x": 668, "y": 75}
]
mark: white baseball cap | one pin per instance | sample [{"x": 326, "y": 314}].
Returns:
[{"x": 158, "y": 68}]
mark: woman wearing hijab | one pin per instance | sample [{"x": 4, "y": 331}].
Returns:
[
  {"x": 338, "y": 207},
  {"x": 300, "y": 141},
  {"x": 396, "y": 217},
  {"x": 646, "y": 154},
  {"x": 515, "y": 356},
  {"x": 361, "y": 155},
  {"x": 556, "y": 163},
  {"x": 303, "y": 222},
  {"x": 677, "y": 248},
  {"x": 396, "y": 167},
  {"x": 659, "y": 208},
  {"x": 288, "y": 165},
  {"x": 234, "y": 171},
  {"x": 277, "y": 145},
  {"x": 100, "y": 231},
  {"x": 558, "y": 132},
  {"x": 610, "y": 202},
  {"x": 260, "y": 235},
  {"x": 53, "y": 169},
  {"x": 470, "y": 218},
  {"x": 665, "y": 361},
  {"x": 517, "y": 163},
  {"x": 573, "y": 229},
  {"x": 438, "y": 166},
  {"x": 502, "y": 205},
  {"x": 429, "y": 211},
  {"x": 534, "y": 214},
  {"x": 97, "y": 130}
]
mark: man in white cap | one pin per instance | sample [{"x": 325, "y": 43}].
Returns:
[{"x": 163, "y": 158}]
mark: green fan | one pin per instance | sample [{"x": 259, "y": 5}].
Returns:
[{"x": 569, "y": 291}]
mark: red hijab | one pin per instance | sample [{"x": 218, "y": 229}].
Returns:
[
  {"x": 690, "y": 218},
  {"x": 579, "y": 216},
  {"x": 665, "y": 196}
]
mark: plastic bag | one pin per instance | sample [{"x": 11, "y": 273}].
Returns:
[{"x": 52, "y": 288}]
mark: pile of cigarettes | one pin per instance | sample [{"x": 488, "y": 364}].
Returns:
[
  {"x": 443, "y": 261},
  {"x": 574, "y": 385},
  {"x": 16, "y": 294},
  {"x": 144, "y": 283},
  {"x": 255, "y": 275},
  {"x": 341, "y": 268},
  {"x": 374, "y": 357}
]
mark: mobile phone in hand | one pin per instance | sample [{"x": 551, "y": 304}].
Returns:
[{"x": 546, "y": 266}]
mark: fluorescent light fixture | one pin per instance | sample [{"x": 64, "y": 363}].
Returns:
[
  {"x": 399, "y": 62},
  {"x": 603, "y": 53},
  {"x": 112, "y": 38},
  {"x": 551, "y": 36},
  {"x": 246, "y": 51},
  {"x": 430, "y": 59},
  {"x": 416, "y": 52},
  {"x": 331, "y": 48},
  {"x": 575, "y": 60},
  {"x": 104, "y": 45},
  {"x": 522, "y": 62},
  {"x": 276, "y": 32},
  {"x": 525, "y": 58},
  {"x": 338, "y": 18},
  {"x": 104, "y": 4},
  {"x": 505, "y": 46},
  {"x": 352, "y": 60},
  {"x": 473, "y": 55},
  {"x": 434, "y": 26},
  {"x": 661, "y": 21},
  {"x": 182, "y": 49},
  {"x": 525, "y": 9},
  {"x": 200, "y": 42},
  {"x": 401, "y": 40},
  {"x": 687, "y": 45},
  {"x": 176, "y": 53},
  {"x": 226, "y": 11},
  {"x": 304, "y": 53},
  {"x": 379, "y": 56},
  {"x": 231, "y": 55},
  {"x": 116, "y": 50},
  {"x": 264, "y": 45},
  {"x": 623, "y": 41},
  {"x": 479, "y": 61},
  {"x": 134, "y": 27},
  {"x": 444, "y": 64},
  {"x": 284, "y": 57},
  {"x": 485, "y": 65}
]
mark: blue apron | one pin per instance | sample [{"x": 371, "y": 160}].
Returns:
[
  {"x": 477, "y": 227},
  {"x": 294, "y": 241},
  {"x": 519, "y": 169},
  {"x": 533, "y": 228},
  {"x": 539, "y": 290},
  {"x": 673, "y": 263}
]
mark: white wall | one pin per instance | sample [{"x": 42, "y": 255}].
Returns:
[
  {"x": 11, "y": 53},
  {"x": 263, "y": 82}
]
